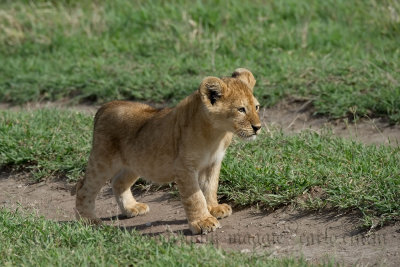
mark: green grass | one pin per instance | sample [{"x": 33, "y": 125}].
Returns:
[
  {"x": 47, "y": 142},
  {"x": 27, "y": 240},
  {"x": 342, "y": 55},
  {"x": 272, "y": 171},
  {"x": 278, "y": 169}
]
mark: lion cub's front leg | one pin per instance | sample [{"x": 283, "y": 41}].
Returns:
[
  {"x": 208, "y": 180},
  {"x": 199, "y": 218}
]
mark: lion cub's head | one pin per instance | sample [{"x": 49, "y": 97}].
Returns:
[{"x": 230, "y": 103}]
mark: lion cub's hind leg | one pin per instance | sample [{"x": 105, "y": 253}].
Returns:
[
  {"x": 97, "y": 174},
  {"x": 121, "y": 185}
]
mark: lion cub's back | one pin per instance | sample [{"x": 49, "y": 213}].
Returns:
[{"x": 118, "y": 118}]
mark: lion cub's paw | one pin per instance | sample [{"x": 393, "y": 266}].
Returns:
[
  {"x": 136, "y": 209},
  {"x": 220, "y": 211},
  {"x": 203, "y": 226}
]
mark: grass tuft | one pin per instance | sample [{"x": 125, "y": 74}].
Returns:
[
  {"x": 47, "y": 142},
  {"x": 316, "y": 170}
]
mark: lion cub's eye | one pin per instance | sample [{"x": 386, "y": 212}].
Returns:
[
  {"x": 242, "y": 110},
  {"x": 257, "y": 107}
]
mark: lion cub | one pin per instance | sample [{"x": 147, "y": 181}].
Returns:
[{"x": 185, "y": 145}]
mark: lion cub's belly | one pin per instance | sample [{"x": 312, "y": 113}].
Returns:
[
  {"x": 157, "y": 170},
  {"x": 162, "y": 169}
]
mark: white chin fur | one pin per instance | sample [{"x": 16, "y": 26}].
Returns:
[{"x": 250, "y": 138}]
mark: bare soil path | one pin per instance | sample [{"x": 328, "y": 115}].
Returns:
[
  {"x": 318, "y": 236},
  {"x": 293, "y": 117}
]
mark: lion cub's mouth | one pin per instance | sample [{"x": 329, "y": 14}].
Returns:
[
  {"x": 246, "y": 137},
  {"x": 251, "y": 137}
]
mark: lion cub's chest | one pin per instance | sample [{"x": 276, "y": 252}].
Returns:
[{"x": 212, "y": 156}]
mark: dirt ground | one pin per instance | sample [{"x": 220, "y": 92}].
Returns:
[
  {"x": 294, "y": 116},
  {"x": 317, "y": 236}
]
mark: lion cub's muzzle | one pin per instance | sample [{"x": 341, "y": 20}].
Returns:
[{"x": 256, "y": 128}]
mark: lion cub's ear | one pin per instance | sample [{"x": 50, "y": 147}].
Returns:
[
  {"x": 211, "y": 89},
  {"x": 245, "y": 76}
]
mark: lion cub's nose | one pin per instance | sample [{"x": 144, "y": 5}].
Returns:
[{"x": 256, "y": 128}]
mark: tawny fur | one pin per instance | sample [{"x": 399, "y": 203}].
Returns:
[{"x": 185, "y": 145}]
